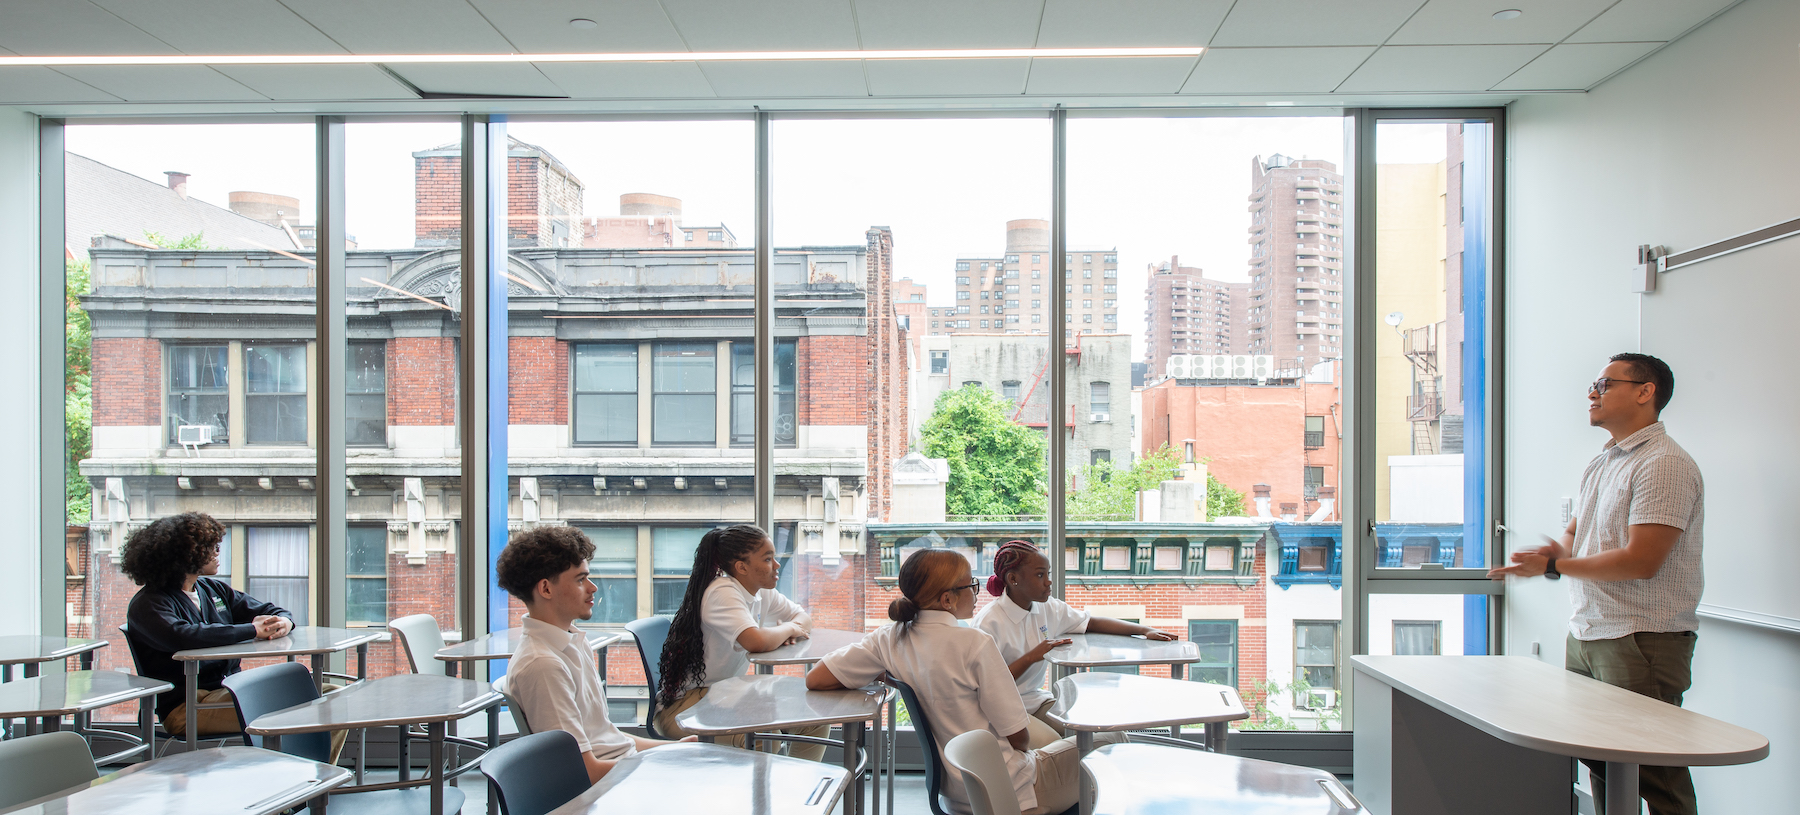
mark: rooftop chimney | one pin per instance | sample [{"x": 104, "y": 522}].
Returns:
[
  {"x": 1261, "y": 491},
  {"x": 178, "y": 183}
]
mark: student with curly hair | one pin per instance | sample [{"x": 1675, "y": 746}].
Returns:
[
  {"x": 1026, "y": 622},
  {"x": 180, "y": 607},
  {"x": 552, "y": 673},
  {"x": 960, "y": 680},
  {"x": 731, "y": 610}
]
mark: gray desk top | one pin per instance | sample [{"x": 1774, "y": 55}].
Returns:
[
  {"x": 713, "y": 779},
  {"x": 390, "y": 700},
  {"x": 502, "y": 644},
  {"x": 1150, "y": 779},
  {"x": 1109, "y": 701},
  {"x": 807, "y": 651},
  {"x": 223, "y": 781},
  {"x": 60, "y": 694},
  {"x": 302, "y": 641},
  {"x": 1096, "y": 650},
  {"x": 27, "y": 648},
  {"x": 744, "y": 704},
  {"x": 1522, "y": 701}
]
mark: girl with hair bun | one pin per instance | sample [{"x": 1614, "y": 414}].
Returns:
[
  {"x": 960, "y": 680},
  {"x": 1026, "y": 622},
  {"x": 730, "y": 611}
]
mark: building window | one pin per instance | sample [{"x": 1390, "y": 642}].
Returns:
[
  {"x": 1015, "y": 259},
  {"x": 940, "y": 362},
  {"x": 606, "y": 389},
  {"x": 614, "y": 572},
  {"x": 1111, "y": 318},
  {"x": 1034, "y": 258},
  {"x": 962, "y": 295},
  {"x": 963, "y": 266},
  {"x": 962, "y": 280},
  {"x": 1315, "y": 478},
  {"x": 1315, "y": 431},
  {"x": 715, "y": 235},
  {"x": 687, "y": 234},
  {"x": 275, "y": 394},
  {"x": 1315, "y": 654},
  {"x": 1010, "y": 390},
  {"x": 1217, "y": 640},
  {"x": 743, "y": 393},
  {"x": 963, "y": 310},
  {"x": 1097, "y": 456},
  {"x": 1012, "y": 288},
  {"x": 1099, "y": 397},
  {"x": 277, "y": 567},
  {"x": 672, "y": 559},
  {"x": 683, "y": 385},
  {"x": 365, "y": 575},
  {"x": 198, "y": 390},
  {"x": 365, "y": 394},
  {"x": 1037, "y": 318},
  {"x": 1416, "y": 638}
]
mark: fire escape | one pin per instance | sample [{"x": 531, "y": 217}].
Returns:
[{"x": 1425, "y": 404}]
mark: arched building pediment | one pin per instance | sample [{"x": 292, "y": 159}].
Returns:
[{"x": 439, "y": 274}]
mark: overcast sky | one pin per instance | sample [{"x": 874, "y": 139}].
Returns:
[{"x": 1149, "y": 188}]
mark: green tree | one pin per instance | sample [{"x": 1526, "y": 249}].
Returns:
[
  {"x": 78, "y": 392},
  {"x": 996, "y": 465},
  {"x": 196, "y": 241},
  {"x": 1222, "y": 501},
  {"x": 1109, "y": 492}
]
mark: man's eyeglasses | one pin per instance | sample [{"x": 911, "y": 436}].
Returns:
[{"x": 1598, "y": 388}]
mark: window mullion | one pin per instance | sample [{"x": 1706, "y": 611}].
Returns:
[{"x": 329, "y": 364}]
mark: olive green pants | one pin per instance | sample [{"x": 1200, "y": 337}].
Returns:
[{"x": 1657, "y": 665}]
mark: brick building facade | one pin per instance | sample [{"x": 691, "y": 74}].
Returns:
[
  {"x": 1296, "y": 296},
  {"x": 1185, "y": 312}
]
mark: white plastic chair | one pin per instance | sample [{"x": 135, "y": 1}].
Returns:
[
  {"x": 420, "y": 640},
  {"x": 975, "y": 756},
  {"x": 36, "y": 766},
  {"x": 518, "y": 713}
]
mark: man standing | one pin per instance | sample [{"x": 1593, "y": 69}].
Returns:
[{"x": 1632, "y": 554}]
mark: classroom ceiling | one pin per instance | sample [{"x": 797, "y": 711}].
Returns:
[{"x": 1311, "y": 52}]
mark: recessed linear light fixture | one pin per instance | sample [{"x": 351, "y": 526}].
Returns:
[{"x": 667, "y": 56}]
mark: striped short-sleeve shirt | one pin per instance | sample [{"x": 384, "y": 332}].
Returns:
[{"x": 1645, "y": 478}]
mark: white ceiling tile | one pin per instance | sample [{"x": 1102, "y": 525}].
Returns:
[
  {"x": 317, "y": 82},
  {"x": 900, "y": 24},
  {"x": 1648, "y": 20},
  {"x": 1118, "y": 23},
  {"x": 1575, "y": 66},
  {"x": 946, "y": 77},
  {"x": 636, "y": 80},
  {"x": 224, "y": 26},
  {"x": 1275, "y": 70},
  {"x": 501, "y": 79},
  {"x": 1465, "y": 22},
  {"x": 764, "y": 25},
  {"x": 30, "y": 84},
  {"x": 1135, "y": 75},
  {"x": 837, "y": 77},
  {"x": 1442, "y": 68},
  {"x": 45, "y": 28},
  {"x": 1313, "y": 22},
  {"x": 404, "y": 26},
  {"x": 542, "y": 26},
  {"x": 162, "y": 83}
]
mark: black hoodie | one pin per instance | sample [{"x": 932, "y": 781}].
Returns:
[{"x": 163, "y": 621}]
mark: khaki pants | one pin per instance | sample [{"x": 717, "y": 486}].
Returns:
[
  {"x": 224, "y": 720},
  {"x": 1058, "y": 784},
  {"x": 667, "y": 726},
  {"x": 1040, "y": 731},
  {"x": 1657, "y": 665}
]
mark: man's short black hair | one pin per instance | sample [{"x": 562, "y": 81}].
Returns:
[
  {"x": 540, "y": 554},
  {"x": 1652, "y": 370}
]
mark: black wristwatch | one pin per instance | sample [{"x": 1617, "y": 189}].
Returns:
[{"x": 1550, "y": 571}]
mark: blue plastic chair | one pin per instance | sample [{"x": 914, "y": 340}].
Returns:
[
  {"x": 264, "y": 690},
  {"x": 934, "y": 761},
  {"x": 532, "y": 775},
  {"x": 651, "y": 633}
]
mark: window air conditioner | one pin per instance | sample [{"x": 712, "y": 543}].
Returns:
[
  {"x": 1100, "y": 417},
  {"x": 1319, "y": 700},
  {"x": 190, "y": 434}
]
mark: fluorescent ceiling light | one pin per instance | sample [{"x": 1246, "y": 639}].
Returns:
[{"x": 667, "y": 56}]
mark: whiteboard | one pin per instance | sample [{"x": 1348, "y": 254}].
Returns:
[{"x": 1730, "y": 329}]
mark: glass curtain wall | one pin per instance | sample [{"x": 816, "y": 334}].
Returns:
[
  {"x": 916, "y": 291},
  {"x": 1206, "y": 384},
  {"x": 190, "y": 357},
  {"x": 403, "y": 323},
  {"x": 630, "y": 353}
]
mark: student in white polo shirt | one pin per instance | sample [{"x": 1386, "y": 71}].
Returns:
[
  {"x": 552, "y": 675},
  {"x": 960, "y": 680},
  {"x": 1026, "y": 622},
  {"x": 731, "y": 610}
]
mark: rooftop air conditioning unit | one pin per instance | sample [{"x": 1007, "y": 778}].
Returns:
[
  {"x": 1179, "y": 366},
  {"x": 1263, "y": 366},
  {"x": 1241, "y": 367},
  {"x": 1221, "y": 366},
  {"x": 1100, "y": 417}
]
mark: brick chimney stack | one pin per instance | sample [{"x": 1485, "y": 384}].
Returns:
[{"x": 178, "y": 183}]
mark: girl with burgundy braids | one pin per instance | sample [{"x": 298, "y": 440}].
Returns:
[{"x": 1026, "y": 622}]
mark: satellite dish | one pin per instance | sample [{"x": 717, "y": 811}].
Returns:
[{"x": 1393, "y": 318}]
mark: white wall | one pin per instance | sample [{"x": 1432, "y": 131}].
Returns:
[
  {"x": 19, "y": 550},
  {"x": 1695, "y": 144}
]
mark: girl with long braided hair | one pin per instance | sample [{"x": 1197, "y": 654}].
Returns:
[
  {"x": 730, "y": 611},
  {"x": 1026, "y": 622}
]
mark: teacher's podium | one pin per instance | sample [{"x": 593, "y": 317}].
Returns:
[{"x": 1465, "y": 735}]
